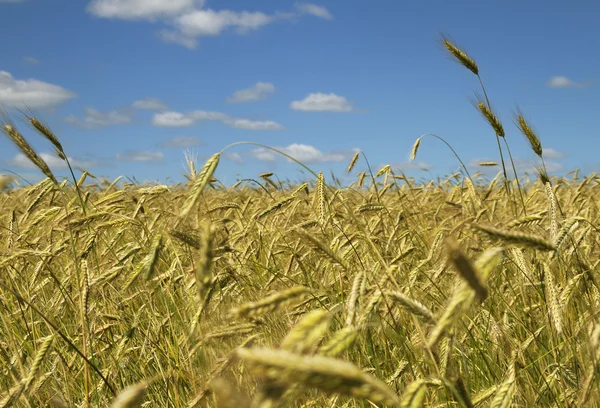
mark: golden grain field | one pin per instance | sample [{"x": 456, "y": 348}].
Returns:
[{"x": 386, "y": 292}]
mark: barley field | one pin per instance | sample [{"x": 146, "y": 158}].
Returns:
[{"x": 462, "y": 292}]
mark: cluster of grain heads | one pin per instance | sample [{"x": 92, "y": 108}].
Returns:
[
  {"x": 24, "y": 386},
  {"x": 329, "y": 375}
]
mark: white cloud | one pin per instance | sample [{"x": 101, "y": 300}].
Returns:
[
  {"x": 140, "y": 156},
  {"x": 309, "y": 8},
  {"x": 234, "y": 157},
  {"x": 172, "y": 119},
  {"x": 140, "y": 9},
  {"x": 204, "y": 115},
  {"x": 199, "y": 23},
  {"x": 564, "y": 82},
  {"x": 320, "y": 102},
  {"x": 257, "y": 92},
  {"x": 55, "y": 163},
  {"x": 253, "y": 125},
  {"x": 303, "y": 153},
  {"x": 178, "y": 119},
  {"x": 531, "y": 165},
  {"x": 12, "y": 1},
  {"x": 31, "y": 60},
  {"x": 182, "y": 142},
  {"x": 95, "y": 119},
  {"x": 150, "y": 104},
  {"x": 31, "y": 92},
  {"x": 175, "y": 37},
  {"x": 412, "y": 165},
  {"x": 550, "y": 153}
]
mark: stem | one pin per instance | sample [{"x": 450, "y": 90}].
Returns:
[{"x": 506, "y": 184}]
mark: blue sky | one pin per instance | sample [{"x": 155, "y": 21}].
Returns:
[{"x": 127, "y": 85}]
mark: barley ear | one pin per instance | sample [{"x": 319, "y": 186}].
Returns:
[
  {"x": 18, "y": 139},
  {"x": 524, "y": 127},
  {"x": 353, "y": 162},
  {"x": 200, "y": 182},
  {"x": 459, "y": 55},
  {"x": 466, "y": 269},
  {"x": 131, "y": 397},
  {"x": 415, "y": 148}
]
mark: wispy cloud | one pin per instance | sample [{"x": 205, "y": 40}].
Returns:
[
  {"x": 170, "y": 36},
  {"x": 189, "y": 20},
  {"x": 182, "y": 142},
  {"x": 234, "y": 157},
  {"x": 31, "y": 92},
  {"x": 255, "y": 93},
  {"x": 150, "y": 104},
  {"x": 564, "y": 82},
  {"x": 178, "y": 119},
  {"x": 200, "y": 23},
  {"x": 31, "y": 60},
  {"x": 21, "y": 161},
  {"x": 304, "y": 153},
  {"x": 321, "y": 102},
  {"x": 522, "y": 165},
  {"x": 253, "y": 125},
  {"x": 172, "y": 119},
  {"x": 95, "y": 119},
  {"x": 140, "y": 156},
  {"x": 12, "y": 1},
  {"x": 139, "y": 9},
  {"x": 550, "y": 153},
  {"x": 313, "y": 9}
]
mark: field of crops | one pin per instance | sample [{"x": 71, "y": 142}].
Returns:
[{"x": 464, "y": 292}]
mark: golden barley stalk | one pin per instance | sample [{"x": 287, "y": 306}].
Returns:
[
  {"x": 459, "y": 55},
  {"x": 414, "y": 394},
  {"x": 353, "y": 162},
  {"x": 491, "y": 118},
  {"x": 466, "y": 269},
  {"x": 131, "y": 397},
  {"x": 308, "y": 332},
  {"x": 13, "y": 395},
  {"x": 148, "y": 264},
  {"x": 554, "y": 309},
  {"x": 505, "y": 393},
  {"x": 186, "y": 237},
  {"x": 461, "y": 300},
  {"x": 37, "y": 362},
  {"x": 329, "y": 375},
  {"x": 200, "y": 182},
  {"x": 514, "y": 237},
  {"x": 204, "y": 274},
  {"x": 524, "y": 127},
  {"x": 552, "y": 207},
  {"x": 320, "y": 196},
  {"x": 352, "y": 301},
  {"x": 415, "y": 148},
  {"x": 28, "y": 151},
  {"x": 46, "y": 132},
  {"x": 413, "y": 306},
  {"x": 270, "y": 303},
  {"x": 275, "y": 207},
  {"x": 341, "y": 341}
]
